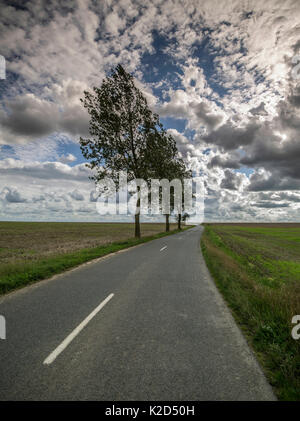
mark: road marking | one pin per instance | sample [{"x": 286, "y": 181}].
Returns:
[
  {"x": 75, "y": 332},
  {"x": 163, "y": 248}
]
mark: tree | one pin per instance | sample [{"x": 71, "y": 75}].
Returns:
[
  {"x": 121, "y": 128},
  {"x": 162, "y": 151},
  {"x": 185, "y": 216},
  {"x": 180, "y": 172},
  {"x": 165, "y": 163}
]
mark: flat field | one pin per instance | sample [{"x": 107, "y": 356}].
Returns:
[
  {"x": 257, "y": 269},
  {"x": 30, "y": 251}
]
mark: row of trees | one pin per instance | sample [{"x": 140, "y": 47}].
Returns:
[{"x": 125, "y": 135}]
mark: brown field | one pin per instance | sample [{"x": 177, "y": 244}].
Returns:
[{"x": 30, "y": 241}]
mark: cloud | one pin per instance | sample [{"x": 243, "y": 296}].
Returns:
[
  {"x": 229, "y": 137},
  {"x": 259, "y": 110},
  {"x": 205, "y": 115},
  {"x": 227, "y": 162},
  {"x": 262, "y": 180},
  {"x": 270, "y": 205},
  {"x": 67, "y": 158},
  {"x": 12, "y": 195},
  {"x": 114, "y": 23},
  {"x": 232, "y": 180},
  {"x": 183, "y": 144},
  {"x": 198, "y": 113},
  {"x": 45, "y": 170},
  {"x": 49, "y": 192},
  {"x": 76, "y": 195},
  {"x": 294, "y": 97},
  {"x": 274, "y": 154},
  {"x": 94, "y": 196},
  {"x": 29, "y": 117}
]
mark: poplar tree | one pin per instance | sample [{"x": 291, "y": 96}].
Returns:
[{"x": 121, "y": 124}]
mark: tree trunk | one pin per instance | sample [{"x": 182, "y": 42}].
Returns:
[
  {"x": 137, "y": 220},
  {"x": 179, "y": 221},
  {"x": 167, "y": 222}
]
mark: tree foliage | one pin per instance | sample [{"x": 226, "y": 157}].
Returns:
[
  {"x": 120, "y": 124},
  {"x": 125, "y": 135}
]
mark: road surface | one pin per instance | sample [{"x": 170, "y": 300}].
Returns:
[{"x": 164, "y": 334}]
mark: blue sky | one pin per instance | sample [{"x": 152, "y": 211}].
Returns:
[{"x": 219, "y": 74}]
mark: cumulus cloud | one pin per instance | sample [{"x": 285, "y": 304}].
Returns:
[
  {"x": 205, "y": 115},
  {"x": 29, "y": 117},
  {"x": 224, "y": 162},
  {"x": 232, "y": 180},
  {"x": 230, "y": 137},
  {"x": 183, "y": 144},
  {"x": 45, "y": 170},
  {"x": 67, "y": 158},
  {"x": 262, "y": 180},
  {"x": 76, "y": 195},
  {"x": 12, "y": 195},
  {"x": 51, "y": 192}
]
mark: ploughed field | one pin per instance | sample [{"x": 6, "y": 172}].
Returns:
[{"x": 257, "y": 269}]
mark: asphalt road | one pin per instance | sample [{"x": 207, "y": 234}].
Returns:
[{"x": 165, "y": 334}]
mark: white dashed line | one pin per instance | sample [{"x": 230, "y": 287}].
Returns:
[{"x": 163, "y": 248}]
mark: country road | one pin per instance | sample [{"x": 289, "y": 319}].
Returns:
[{"x": 164, "y": 334}]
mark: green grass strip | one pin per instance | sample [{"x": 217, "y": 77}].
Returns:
[{"x": 261, "y": 310}]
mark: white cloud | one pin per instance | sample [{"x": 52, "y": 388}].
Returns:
[{"x": 67, "y": 158}]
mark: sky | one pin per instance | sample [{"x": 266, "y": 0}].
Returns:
[{"x": 224, "y": 76}]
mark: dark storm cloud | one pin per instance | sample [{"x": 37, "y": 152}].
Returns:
[
  {"x": 274, "y": 155},
  {"x": 206, "y": 116},
  {"x": 31, "y": 117},
  {"x": 265, "y": 145},
  {"x": 228, "y": 137},
  {"x": 288, "y": 115},
  {"x": 74, "y": 125},
  {"x": 273, "y": 182},
  {"x": 218, "y": 161},
  {"x": 294, "y": 98},
  {"x": 231, "y": 181}
]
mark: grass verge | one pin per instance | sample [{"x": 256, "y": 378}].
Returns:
[
  {"x": 19, "y": 274},
  {"x": 249, "y": 265}
]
